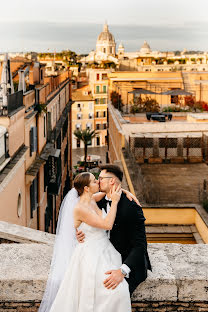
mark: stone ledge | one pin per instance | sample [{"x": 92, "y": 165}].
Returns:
[
  {"x": 151, "y": 306},
  {"x": 180, "y": 273},
  {"x": 20, "y": 234}
]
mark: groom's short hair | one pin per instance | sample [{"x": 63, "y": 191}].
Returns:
[{"x": 116, "y": 170}]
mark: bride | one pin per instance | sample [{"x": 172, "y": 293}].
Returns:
[{"x": 77, "y": 272}]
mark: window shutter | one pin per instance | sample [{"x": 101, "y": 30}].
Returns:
[
  {"x": 31, "y": 141},
  {"x": 35, "y": 193},
  {"x": 32, "y": 203},
  {"x": 35, "y": 138}
]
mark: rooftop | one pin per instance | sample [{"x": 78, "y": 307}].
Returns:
[{"x": 82, "y": 94}]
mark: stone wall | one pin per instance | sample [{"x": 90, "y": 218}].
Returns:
[
  {"x": 162, "y": 306},
  {"x": 178, "y": 281}
]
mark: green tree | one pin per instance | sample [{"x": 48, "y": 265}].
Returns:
[
  {"x": 147, "y": 104},
  {"x": 85, "y": 136},
  {"x": 116, "y": 100}
]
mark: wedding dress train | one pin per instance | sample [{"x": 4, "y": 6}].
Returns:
[{"x": 82, "y": 289}]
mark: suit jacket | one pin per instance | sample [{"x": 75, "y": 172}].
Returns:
[{"x": 129, "y": 238}]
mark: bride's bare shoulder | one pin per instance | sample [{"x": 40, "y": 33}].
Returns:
[{"x": 80, "y": 207}]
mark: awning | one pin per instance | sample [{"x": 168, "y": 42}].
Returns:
[
  {"x": 78, "y": 126},
  {"x": 176, "y": 92},
  {"x": 141, "y": 91},
  {"x": 89, "y": 125}
]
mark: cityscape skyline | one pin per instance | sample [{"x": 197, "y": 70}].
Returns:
[
  {"x": 172, "y": 26},
  {"x": 30, "y": 36}
]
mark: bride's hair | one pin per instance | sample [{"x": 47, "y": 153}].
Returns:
[{"x": 80, "y": 181}]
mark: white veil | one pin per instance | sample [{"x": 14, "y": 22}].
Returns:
[{"x": 65, "y": 243}]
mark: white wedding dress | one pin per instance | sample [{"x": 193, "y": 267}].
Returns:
[{"x": 82, "y": 289}]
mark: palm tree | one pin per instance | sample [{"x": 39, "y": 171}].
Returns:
[{"x": 86, "y": 136}]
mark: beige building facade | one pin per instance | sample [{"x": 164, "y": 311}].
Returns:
[
  {"x": 35, "y": 160},
  {"x": 98, "y": 81},
  {"x": 82, "y": 114}
]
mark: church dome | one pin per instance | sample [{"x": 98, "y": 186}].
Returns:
[
  {"x": 105, "y": 35},
  {"x": 106, "y": 43},
  {"x": 145, "y": 48}
]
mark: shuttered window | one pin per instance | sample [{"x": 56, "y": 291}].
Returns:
[
  {"x": 33, "y": 140},
  {"x": 33, "y": 196}
]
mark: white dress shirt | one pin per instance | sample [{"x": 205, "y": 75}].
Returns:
[{"x": 124, "y": 267}]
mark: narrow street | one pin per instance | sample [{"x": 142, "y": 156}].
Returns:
[{"x": 79, "y": 152}]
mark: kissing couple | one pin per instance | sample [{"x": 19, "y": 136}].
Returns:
[{"x": 100, "y": 253}]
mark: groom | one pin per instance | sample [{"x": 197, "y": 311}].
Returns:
[{"x": 127, "y": 235}]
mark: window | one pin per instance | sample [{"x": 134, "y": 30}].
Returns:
[
  {"x": 104, "y": 50},
  {"x": 44, "y": 130},
  {"x": 90, "y": 115},
  {"x": 19, "y": 205},
  {"x": 104, "y": 126},
  {"x": 33, "y": 140},
  {"x": 97, "y": 126},
  {"x": 88, "y": 126},
  {"x": 98, "y": 141},
  {"x": 65, "y": 128},
  {"x": 58, "y": 141},
  {"x": 78, "y": 143},
  {"x": 104, "y": 101},
  {"x": 111, "y": 50},
  {"x": 97, "y": 114},
  {"x": 33, "y": 196},
  {"x": 98, "y": 76},
  {"x": 46, "y": 176},
  {"x": 104, "y": 76},
  {"x": 97, "y": 101},
  {"x": 97, "y": 89},
  {"x": 104, "y": 89},
  {"x": 79, "y": 108},
  {"x": 79, "y": 116},
  {"x": 66, "y": 154},
  {"x": 104, "y": 114},
  {"x": 101, "y": 101}
]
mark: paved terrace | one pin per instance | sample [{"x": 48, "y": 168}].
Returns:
[{"x": 178, "y": 282}]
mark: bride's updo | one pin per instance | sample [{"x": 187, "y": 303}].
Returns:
[{"x": 80, "y": 181}]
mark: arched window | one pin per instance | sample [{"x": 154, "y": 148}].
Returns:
[{"x": 19, "y": 205}]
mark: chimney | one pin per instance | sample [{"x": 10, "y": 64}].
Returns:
[{"x": 22, "y": 85}]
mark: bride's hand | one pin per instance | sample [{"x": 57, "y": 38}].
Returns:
[
  {"x": 115, "y": 193},
  {"x": 80, "y": 236}
]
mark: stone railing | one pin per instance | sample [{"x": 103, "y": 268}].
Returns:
[{"x": 178, "y": 281}]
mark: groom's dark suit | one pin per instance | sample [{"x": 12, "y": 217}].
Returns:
[{"x": 129, "y": 238}]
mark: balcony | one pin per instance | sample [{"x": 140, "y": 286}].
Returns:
[{"x": 53, "y": 171}]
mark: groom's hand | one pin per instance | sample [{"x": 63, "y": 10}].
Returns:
[
  {"x": 114, "y": 279},
  {"x": 80, "y": 236}
]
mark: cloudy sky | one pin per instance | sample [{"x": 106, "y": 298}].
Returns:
[{"x": 43, "y": 25}]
